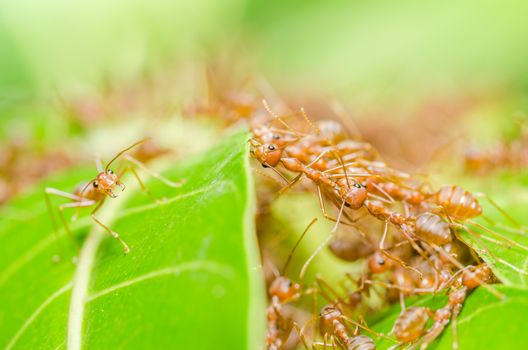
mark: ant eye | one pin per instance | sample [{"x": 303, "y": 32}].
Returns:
[
  {"x": 110, "y": 171},
  {"x": 357, "y": 185},
  {"x": 381, "y": 262},
  {"x": 95, "y": 184},
  {"x": 276, "y": 136},
  {"x": 289, "y": 284},
  {"x": 272, "y": 147}
]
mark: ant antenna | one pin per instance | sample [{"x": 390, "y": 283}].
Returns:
[
  {"x": 309, "y": 122},
  {"x": 274, "y": 115},
  {"x": 125, "y": 150},
  {"x": 314, "y": 220}
]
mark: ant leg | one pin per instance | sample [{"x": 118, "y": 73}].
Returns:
[
  {"x": 53, "y": 191},
  {"x": 290, "y": 184},
  {"x": 499, "y": 209},
  {"x": 341, "y": 166},
  {"x": 454, "y": 327},
  {"x": 389, "y": 197},
  {"x": 54, "y": 223},
  {"x": 399, "y": 288},
  {"x": 76, "y": 205},
  {"x": 338, "y": 220},
  {"x": 318, "y": 158},
  {"x": 152, "y": 173},
  {"x": 365, "y": 327},
  {"x": 297, "y": 244},
  {"x": 385, "y": 252},
  {"x": 126, "y": 249},
  {"x": 140, "y": 182},
  {"x": 300, "y": 331},
  {"x": 437, "y": 329},
  {"x": 402, "y": 303},
  {"x": 496, "y": 234},
  {"x": 260, "y": 172},
  {"x": 420, "y": 251},
  {"x": 279, "y": 173},
  {"x": 323, "y": 285},
  {"x": 314, "y": 254},
  {"x": 314, "y": 308},
  {"x": 381, "y": 199},
  {"x": 316, "y": 344},
  {"x": 59, "y": 193},
  {"x": 327, "y": 216},
  {"x": 511, "y": 266},
  {"x": 477, "y": 236}
]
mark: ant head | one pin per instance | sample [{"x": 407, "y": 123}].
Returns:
[
  {"x": 284, "y": 288},
  {"x": 354, "y": 195},
  {"x": 105, "y": 182},
  {"x": 378, "y": 263},
  {"x": 268, "y": 155},
  {"x": 327, "y": 316}
]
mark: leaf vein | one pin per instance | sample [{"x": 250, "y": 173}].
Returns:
[
  {"x": 36, "y": 313},
  {"x": 211, "y": 266}
]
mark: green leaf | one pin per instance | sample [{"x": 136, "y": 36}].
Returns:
[
  {"x": 485, "y": 322},
  {"x": 192, "y": 266}
]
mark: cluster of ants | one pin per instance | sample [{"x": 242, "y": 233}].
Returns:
[{"x": 418, "y": 250}]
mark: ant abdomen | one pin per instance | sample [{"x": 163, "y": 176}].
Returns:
[
  {"x": 411, "y": 324},
  {"x": 360, "y": 342},
  {"x": 458, "y": 203},
  {"x": 349, "y": 249},
  {"x": 433, "y": 229}
]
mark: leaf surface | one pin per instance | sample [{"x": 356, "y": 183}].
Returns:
[{"x": 193, "y": 264}]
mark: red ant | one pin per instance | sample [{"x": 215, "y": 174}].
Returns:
[
  {"x": 411, "y": 325},
  {"x": 334, "y": 326},
  {"x": 282, "y": 291},
  {"x": 98, "y": 189}
]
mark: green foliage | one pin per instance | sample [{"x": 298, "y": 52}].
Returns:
[{"x": 190, "y": 280}]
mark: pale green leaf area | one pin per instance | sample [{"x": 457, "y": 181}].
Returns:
[
  {"x": 485, "y": 322},
  {"x": 292, "y": 213},
  {"x": 193, "y": 264}
]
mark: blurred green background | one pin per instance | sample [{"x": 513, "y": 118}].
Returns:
[{"x": 365, "y": 49}]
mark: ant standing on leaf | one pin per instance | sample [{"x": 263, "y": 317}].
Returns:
[{"x": 96, "y": 191}]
